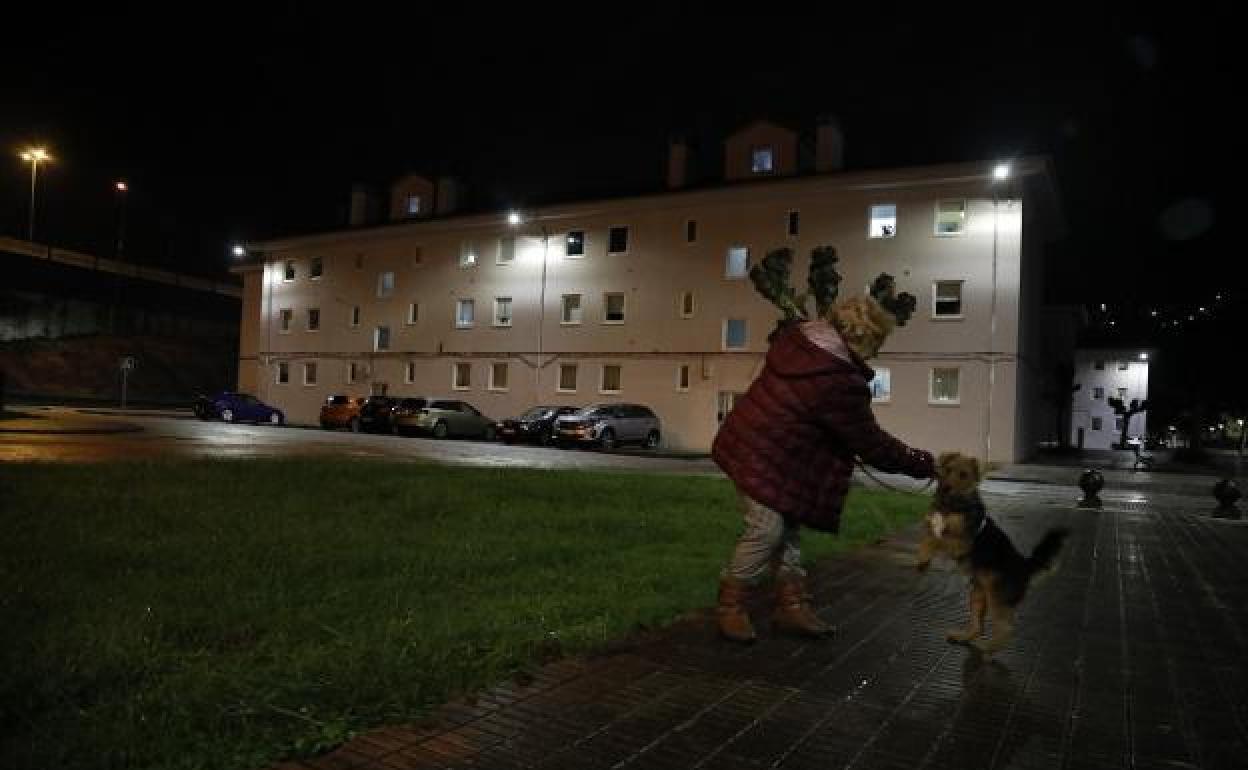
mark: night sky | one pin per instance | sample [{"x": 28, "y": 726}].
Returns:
[{"x": 241, "y": 123}]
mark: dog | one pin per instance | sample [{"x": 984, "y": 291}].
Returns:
[{"x": 959, "y": 528}]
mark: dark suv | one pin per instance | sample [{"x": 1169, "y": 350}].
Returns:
[
  {"x": 536, "y": 425},
  {"x": 377, "y": 414},
  {"x": 609, "y": 426}
]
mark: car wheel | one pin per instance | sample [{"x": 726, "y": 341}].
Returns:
[
  {"x": 440, "y": 429},
  {"x": 490, "y": 435},
  {"x": 227, "y": 415},
  {"x": 607, "y": 439},
  {"x": 275, "y": 418},
  {"x": 355, "y": 425},
  {"x": 652, "y": 440}
]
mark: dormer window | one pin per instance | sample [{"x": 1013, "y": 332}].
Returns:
[
  {"x": 762, "y": 160},
  {"x": 413, "y": 205}
]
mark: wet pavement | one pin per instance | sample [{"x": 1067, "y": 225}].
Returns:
[{"x": 1132, "y": 654}]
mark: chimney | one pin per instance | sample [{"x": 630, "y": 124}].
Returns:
[
  {"x": 829, "y": 146},
  {"x": 448, "y": 194},
  {"x": 677, "y": 163},
  {"x": 360, "y": 205}
]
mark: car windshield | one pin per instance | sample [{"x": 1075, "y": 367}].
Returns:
[
  {"x": 443, "y": 405},
  {"x": 413, "y": 403},
  {"x": 337, "y": 400},
  {"x": 594, "y": 411},
  {"x": 246, "y": 399},
  {"x": 536, "y": 413}
]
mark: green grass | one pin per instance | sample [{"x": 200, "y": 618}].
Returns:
[{"x": 226, "y": 614}]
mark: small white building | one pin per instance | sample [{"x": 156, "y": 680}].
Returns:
[{"x": 1106, "y": 373}]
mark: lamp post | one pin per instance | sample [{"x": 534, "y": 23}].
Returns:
[
  {"x": 119, "y": 243},
  {"x": 515, "y": 220},
  {"x": 34, "y": 156},
  {"x": 999, "y": 175}
]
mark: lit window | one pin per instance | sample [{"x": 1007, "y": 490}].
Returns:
[
  {"x": 762, "y": 160},
  {"x": 316, "y": 268},
  {"x": 613, "y": 308},
  {"x": 567, "y": 378},
  {"x": 498, "y": 376},
  {"x": 575, "y": 244},
  {"x": 502, "y": 311},
  {"x": 682, "y": 378},
  {"x": 381, "y": 338},
  {"x": 944, "y": 386},
  {"x": 413, "y": 205},
  {"x": 467, "y": 254},
  {"x": 283, "y": 373},
  {"x": 950, "y": 217},
  {"x": 286, "y": 315},
  {"x": 462, "y": 377},
  {"x": 881, "y": 385},
  {"x": 734, "y": 334},
  {"x": 1096, "y": 423},
  {"x": 686, "y": 304},
  {"x": 506, "y": 250},
  {"x": 794, "y": 223},
  {"x": 288, "y": 273},
  {"x": 691, "y": 231},
  {"x": 413, "y": 313},
  {"x": 617, "y": 240},
  {"x": 737, "y": 264},
  {"x": 309, "y": 373},
  {"x": 410, "y": 373},
  {"x": 1098, "y": 393},
  {"x": 385, "y": 284},
  {"x": 314, "y": 319},
  {"x": 355, "y": 315},
  {"x": 610, "y": 378},
  {"x": 883, "y": 221},
  {"x": 947, "y": 299},
  {"x": 571, "y": 309},
  {"x": 465, "y": 313}
]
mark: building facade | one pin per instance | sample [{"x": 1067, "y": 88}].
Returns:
[
  {"x": 648, "y": 300},
  {"x": 1104, "y": 374}
]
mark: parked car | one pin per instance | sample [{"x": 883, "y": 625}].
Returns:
[
  {"x": 376, "y": 414},
  {"x": 341, "y": 412},
  {"x": 537, "y": 425},
  {"x": 441, "y": 418},
  {"x": 609, "y": 426},
  {"x": 237, "y": 407},
  {"x": 403, "y": 411}
]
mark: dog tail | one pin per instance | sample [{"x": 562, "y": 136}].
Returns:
[{"x": 1046, "y": 551}]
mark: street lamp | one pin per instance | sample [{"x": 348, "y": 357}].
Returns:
[
  {"x": 238, "y": 251},
  {"x": 34, "y": 156},
  {"x": 515, "y": 220},
  {"x": 119, "y": 244}
]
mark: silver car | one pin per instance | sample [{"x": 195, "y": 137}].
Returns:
[
  {"x": 441, "y": 418},
  {"x": 609, "y": 426}
]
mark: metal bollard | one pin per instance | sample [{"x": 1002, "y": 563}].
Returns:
[
  {"x": 1091, "y": 482},
  {"x": 1227, "y": 493}
]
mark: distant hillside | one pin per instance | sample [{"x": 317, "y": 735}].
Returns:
[{"x": 169, "y": 369}]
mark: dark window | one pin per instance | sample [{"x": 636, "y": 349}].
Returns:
[
  {"x": 794, "y": 222},
  {"x": 576, "y": 243},
  {"x": 691, "y": 231},
  {"x": 617, "y": 241}
]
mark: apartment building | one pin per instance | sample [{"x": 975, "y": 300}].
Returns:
[
  {"x": 1105, "y": 373},
  {"x": 647, "y": 299}
]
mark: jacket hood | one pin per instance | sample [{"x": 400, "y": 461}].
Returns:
[{"x": 793, "y": 354}]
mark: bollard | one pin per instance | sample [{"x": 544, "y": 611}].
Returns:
[
  {"x": 1227, "y": 493},
  {"x": 1091, "y": 482}
]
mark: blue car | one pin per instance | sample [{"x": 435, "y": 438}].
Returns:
[{"x": 237, "y": 407}]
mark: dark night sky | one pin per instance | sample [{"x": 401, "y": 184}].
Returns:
[{"x": 237, "y": 122}]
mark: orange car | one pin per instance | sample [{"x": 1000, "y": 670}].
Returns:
[{"x": 341, "y": 412}]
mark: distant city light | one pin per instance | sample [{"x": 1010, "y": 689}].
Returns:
[
  {"x": 1143, "y": 356},
  {"x": 239, "y": 251},
  {"x": 1154, "y": 314},
  {"x": 1002, "y": 171},
  {"x": 1202, "y": 309},
  {"x": 1102, "y": 307},
  {"x": 513, "y": 218},
  {"x": 121, "y": 187},
  {"x": 1191, "y": 318}
]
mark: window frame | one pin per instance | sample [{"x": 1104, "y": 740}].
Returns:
[
  {"x": 584, "y": 242},
  {"x": 455, "y": 375},
  {"x": 628, "y": 239},
  {"x": 745, "y": 342},
  {"x": 316, "y": 268},
  {"x": 684, "y": 377},
  {"x": 606, "y": 295},
  {"x": 460, "y": 304},
  {"x": 755, "y": 149},
  {"x": 887, "y": 398},
  {"x": 314, "y": 312},
  {"x": 377, "y": 335},
  {"x": 936, "y": 218},
  {"x": 282, "y": 373},
  {"x": 961, "y": 314},
  {"x": 602, "y": 379},
  {"x": 382, "y": 291},
  {"x": 793, "y": 223},
  {"x": 510, "y": 315},
  {"x": 931, "y": 384},
  {"x": 493, "y": 385},
  {"x": 289, "y": 271},
  {"x": 285, "y": 319},
  {"x": 413, "y": 313},
  {"x": 580, "y": 305},
  {"x": 559, "y": 388},
  {"x": 745, "y": 273},
  {"x": 468, "y": 256},
  {"x": 691, "y": 229},
  {"x": 309, "y": 367},
  {"x": 680, "y": 304},
  {"x": 871, "y": 219},
  {"x": 498, "y": 255}
]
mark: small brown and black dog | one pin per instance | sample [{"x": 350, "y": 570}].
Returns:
[{"x": 959, "y": 528}]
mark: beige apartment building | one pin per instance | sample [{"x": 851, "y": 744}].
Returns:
[{"x": 647, "y": 299}]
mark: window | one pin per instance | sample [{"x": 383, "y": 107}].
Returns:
[
  {"x": 734, "y": 334},
  {"x": 944, "y": 386},
  {"x": 283, "y": 373},
  {"x": 1099, "y": 366},
  {"x": 950, "y": 217},
  {"x": 502, "y": 311},
  {"x": 1123, "y": 366},
  {"x": 309, "y": 373},
  {"x": 1118, "y": 424},
  {"x": 465, "y": 313},
  {"x": 418, "y": 256},
  {"x": 413, "y": 312},
  {"x": 794, "y": 223},
  {"x": 288, "y": 272},
  {"x": 506, "y": 250},
  {"x": 286, "y": 315},
  {"x": 737, "y": 263},
  {"x": 567, "y": 378},
  {"x": 1122, "y": 394},
  {"x": 1098, "y": 393},
  {"x": 1096, "y": 423},
  {"x": 467, "y": 254},
  {"x": 498, "y": 375},
  {"x": 355, "y": 315},
  {"x": 381, "y": 338},
  {"x": 409, "y": 374},
  {"x": 385, "y": 284},
  {"x": 359, "y": 261},
  {"x": 947, "y": 299},
  {"x": 613, "y": 308},
  {"x": 686, "y": 304},
  {"x": 462, "y": 376},
  {"x": 762, "y": 160},
  {"x": 682, "y": 378},
  {"x": 316, "y": 268},
  {"x": 617, "y": 240},
  {"x": 314, "y": 319},
  {"x": 883, "y": 221},
  {"x": 575, "y": 246},
  {"x": 413, "y": 205},
  {"x": 691, "y": 231},
  {"x": 571, "y": 309},
  {"x": 352, "y": 372},
  {"x": 610, "y": 378},
  {"x": 881, "y": 385}
]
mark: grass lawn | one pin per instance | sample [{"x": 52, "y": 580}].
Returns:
[{"x": 226, "y": 614}]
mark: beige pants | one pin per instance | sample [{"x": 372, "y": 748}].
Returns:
[{"x": 767, "y": 542}]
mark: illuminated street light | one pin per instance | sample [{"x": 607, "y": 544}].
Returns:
[
  {"x": 1143, "y": 356},
  {"x": 239, "y": 251},
  {"x": 34, "y": 156},
  {"x": 513, "y": 218},
  {"x": 1002, "y": 171},
  {"x": 121, "y": 186}
]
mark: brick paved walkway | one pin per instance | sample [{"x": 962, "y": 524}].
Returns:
[{"x": 1132, "y": 655}]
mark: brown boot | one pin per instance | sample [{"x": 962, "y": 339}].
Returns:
[
  {"x": 734, "y": 618},
  {"x": 794, "y": 612}
]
